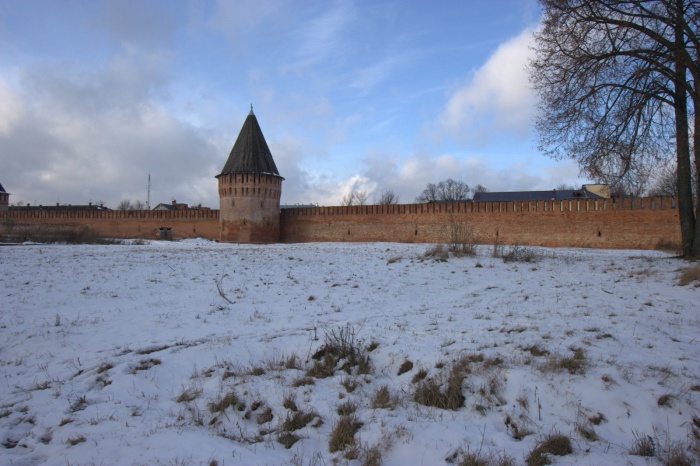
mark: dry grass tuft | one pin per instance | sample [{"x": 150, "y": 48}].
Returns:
[
  {"x": 256, "y": 371},
  {"x": 521, "y": 254},
  {"x": 350, "y": 384},
  {"x": 405, "y": 367},
  {"x": 372, "y": 456},
  {"x": 587, "y": 431},
  {"x": 145, "y": 364},
  {"x": 552, "y": 444},
  {"x": 382, "y": 398},
  {"x": 298, "y": 420},
  {"x": 347, "y": 408},
  {"x": 643, "y": 445},
  {"x": 301, "y": 381},
  {"x": 289, "y": 402},
  {"x": 228, "y": 400},
  {"x": 689, "y": 275},
  {"x": 75, "y": 439},
  {"x": 430, "y": 392},
  {"x": 188, "y": 394},
  {"x": 575, "y": 364},
  {"x": 264, "y": 416},
  {"x": 471, "y": 458},
  {"x": 420, "y": 375},
  {"x": 438, "y": 253},
  {"x": 343, "y": 433},
  {"x": 341, "y": 348},
  {"x": 665, "y": 400},
  {"x": 288, "y": 439},
  {"x": 104, "y": 367},
  {"x": 536, "y": 350}
]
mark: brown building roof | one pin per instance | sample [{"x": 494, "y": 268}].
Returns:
[{"x": 250, "y": 153}]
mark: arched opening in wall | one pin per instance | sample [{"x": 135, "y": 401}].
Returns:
[
  {"x": 262, "y": 203},
  {"x": 233, "y": 202},
  {"x": 244, "y": 222},
  {"x": 600, "y": 234}
]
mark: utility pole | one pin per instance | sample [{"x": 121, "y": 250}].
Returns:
[{"x": 148, "y": 197}]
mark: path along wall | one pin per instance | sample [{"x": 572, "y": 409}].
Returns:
[
  {"x": 641, "y": 223},
  {"x": 146, "y": 224}
]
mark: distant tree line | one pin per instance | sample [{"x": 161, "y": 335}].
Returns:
[
  {"x": 127, "y": 204},
  {"x": 449, "y": 190}
]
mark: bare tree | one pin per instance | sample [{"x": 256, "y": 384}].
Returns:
[
  {"x": 479, "y": 188},
  {"x": 387, "y": 197},
  {"x": 138, "y": 205},
  {"x": 448, "y": 190},
  {"x": 125, "y": 205},
  {"x": 666, "y": 183},
  {"x": 354, "y": 198},
  {"x": 617, "y": 81}
]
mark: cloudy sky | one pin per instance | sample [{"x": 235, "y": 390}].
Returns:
[{"x": 367, "y": 95}]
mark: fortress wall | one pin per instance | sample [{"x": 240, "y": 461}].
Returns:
[
  {"x": 144, "y": 224},
  {"x": 602, "y": 223}
]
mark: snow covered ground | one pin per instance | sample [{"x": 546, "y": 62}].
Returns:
[{"x": 195, "y": 352}]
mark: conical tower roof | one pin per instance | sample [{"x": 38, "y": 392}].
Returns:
[
  {"x": 2, "y": 190},
  {"x": 250, "y": 153}
]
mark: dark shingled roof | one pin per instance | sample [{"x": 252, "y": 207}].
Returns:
[
  {"x": 2, "y": 190},
  {"x": 553, "y": 195},
  {"x": 250, "y": 153}
]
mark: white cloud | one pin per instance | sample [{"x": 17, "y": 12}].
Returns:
[
  {"x": 497, "y": 98},
  {"x": 93, "y": 136},
  {"x": 11, "y": 109}
]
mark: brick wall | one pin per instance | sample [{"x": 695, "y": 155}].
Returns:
[
  {"x": 144, "y": 224},
  {"x": 603, "y": 223},
  {"x": 640, "y": 223}
]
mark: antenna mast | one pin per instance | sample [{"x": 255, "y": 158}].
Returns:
[{"x": 148, "y": 199}]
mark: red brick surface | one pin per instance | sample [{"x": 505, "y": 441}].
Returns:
[{"x": 642, "y": 223}]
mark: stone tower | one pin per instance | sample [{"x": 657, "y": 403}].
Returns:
[
  {"x": 4, "y": 198},
  {"x": 249, "y": 189}
]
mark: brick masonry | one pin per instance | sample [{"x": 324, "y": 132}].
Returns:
[{"x": 641, "y": 223}]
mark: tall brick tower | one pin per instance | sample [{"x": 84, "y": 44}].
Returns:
[
  {"x": 249, "y": 189},
  {"x": 4, "y": 198}
]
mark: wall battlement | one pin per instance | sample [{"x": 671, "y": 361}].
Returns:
[
  {"x": 640, "y": 223},
  {"x": 574, "y": 205},
  {"x": 602, "y": 223},
  {"x": 112, "y": 214}
]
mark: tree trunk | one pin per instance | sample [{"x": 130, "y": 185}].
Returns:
[
  {"x": 695, "y": 250},
  {"x": 680, "y": 104}
]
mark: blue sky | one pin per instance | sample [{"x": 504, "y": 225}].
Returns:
[{"x": 366, "y": 95}]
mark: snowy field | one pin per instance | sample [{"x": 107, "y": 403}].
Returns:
[{"x": 199, "y": 353}]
